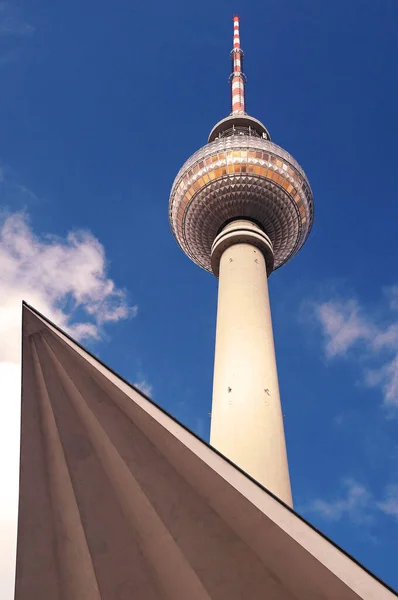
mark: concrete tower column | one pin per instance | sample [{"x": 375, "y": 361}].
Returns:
[{"x": 246, "y": 420}]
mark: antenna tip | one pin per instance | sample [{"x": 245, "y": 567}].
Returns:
[{"x": 235, "y": 18}]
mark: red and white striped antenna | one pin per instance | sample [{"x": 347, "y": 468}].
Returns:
[{"x": 237, "y": 77}]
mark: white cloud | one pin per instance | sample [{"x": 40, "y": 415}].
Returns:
[
  {"x": 61, "y": 278},
  {"x": 392, "y": 296},
  {"x": 10, "y": 26},
  {"x": 10, "y": 22},
  {"x": 355, "y": 503},
  {"x": 343, "y": 326},
  {"x": 14, "y": 30},
  {"x": 50, "y": 273},
  {"x": 389, "y": 505},
  {"x": 385, "y": 377},
  {"x": 144, "y": 386},
  {"x": 349, "y": 332}
]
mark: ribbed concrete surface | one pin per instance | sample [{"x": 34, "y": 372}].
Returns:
[{"x": 120, "y": 502}]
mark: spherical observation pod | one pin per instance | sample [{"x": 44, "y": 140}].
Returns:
[{"x": 240, "y": 175}]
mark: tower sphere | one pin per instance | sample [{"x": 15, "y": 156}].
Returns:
[{"x": 239, "y": 174}]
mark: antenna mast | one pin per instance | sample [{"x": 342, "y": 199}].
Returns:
[{"x": 237, "y": 77}]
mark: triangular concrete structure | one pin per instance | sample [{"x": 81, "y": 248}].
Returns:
[{"x": 118, "y": 501}]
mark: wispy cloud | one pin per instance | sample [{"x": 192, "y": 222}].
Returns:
[
  {"x": 13, "y": 194},
  {"x": 8, "y": 56},
  {"x": 11, "y": 22},
  {"x": 389, "y": 505},
  {"x": 13, "y": 28},
  {"x": 144, "y": 386},
  {"x": 370, "y": 339},
  {"x": 355, "y": 503},
  {"x": 343, "y": 326},
  {"x": 391, "y": 294}
]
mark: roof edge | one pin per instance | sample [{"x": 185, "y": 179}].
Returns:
[{"x": 165, "y": 412}]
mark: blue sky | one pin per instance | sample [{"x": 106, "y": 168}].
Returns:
[{"x": 101, "y": 104}]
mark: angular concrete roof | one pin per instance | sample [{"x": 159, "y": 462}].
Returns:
[{"x": 120, "y": 501}]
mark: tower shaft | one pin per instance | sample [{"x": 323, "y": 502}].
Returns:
[
  {"x": 247, "y": 423},
  {"x": 241, "y": 207}
]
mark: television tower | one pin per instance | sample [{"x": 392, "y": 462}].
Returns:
[{"x": 241, "y": 207}]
